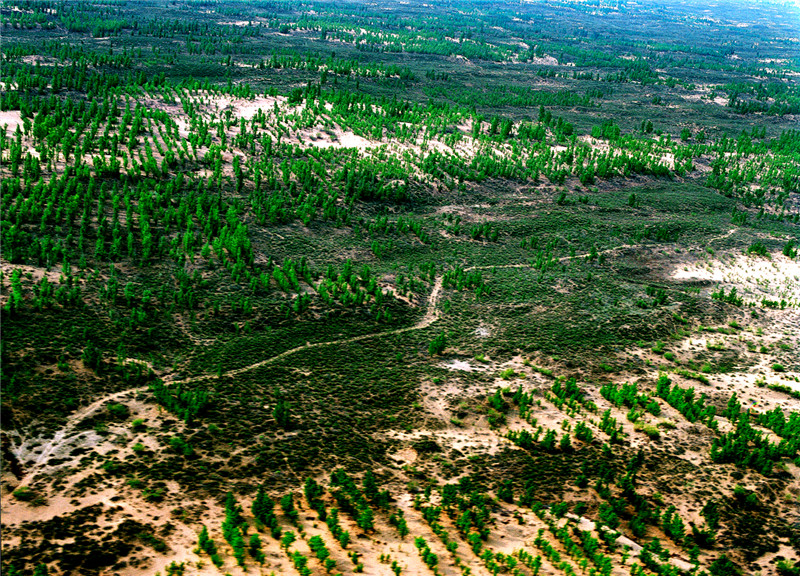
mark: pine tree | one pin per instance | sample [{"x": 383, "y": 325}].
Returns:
[
  {"x": 313, "y": 491},
  {"x": 505, "y": 491},
  {"x": 366, "y": 519},
  {"x": 287, "y": 539},
  {"x": 370, "y": 486},
  {"x": 344, "y": 538},
  {"x": 287, "y": 504},
  {"x": 205, "y": 543},
  {"x": 237, "y": 543},
  {"x": 254, "y": 546},
  {"x": 282, "y": 414},
  {"x": 261, "y": 505},
  {"x": 233, "y": 518}
]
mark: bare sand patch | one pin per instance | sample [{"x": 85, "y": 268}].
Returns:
[
  {"x": 754, "y": 277},
  {"x": 545, "y": 61},
  {"x": 236, "y": 23},
  {"x": 335, "y": 138},
  {"x": 475, "y": 440},
  {"x": 248, "y": 108},
  {"x": 458, "y": 365},
  {"x": 11, "y": 119}
]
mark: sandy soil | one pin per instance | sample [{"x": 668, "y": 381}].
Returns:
[
  {"x": 338, "y": 139},
  {"x": 11, "y": 119},
  {"x": 248, "y": 108},
  {"x": 754, "y": 277},
  {"x": 545, "y": 61}
]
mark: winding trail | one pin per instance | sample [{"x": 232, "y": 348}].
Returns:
[
  {"x": 431, "y": 315},
  {"x": 63, "y": 437}
]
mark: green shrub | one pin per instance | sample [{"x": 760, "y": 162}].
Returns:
[
  {"x": 758, "y": 248},
  {"x": 691, "y": 375},
  {"x": 496, "y": 418},
  {"x": 724, "y": 567},
  {"x": 136, "y": 483},
  {"x": 651, "y": 431},
  {"x": 543, "y": 371},
  {"x": 24, "y": 494},
  {"x": 437, "y": 345},
  {"x": 781, "y": 388},
  {"x": 155, "y": 543},
  {"x": 788, "y": 568},
  {"x": 789, "y": 250},
  {"x": 119, "y": 411}
]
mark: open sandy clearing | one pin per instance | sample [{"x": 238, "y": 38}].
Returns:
[{"x": 754, "y": 277}]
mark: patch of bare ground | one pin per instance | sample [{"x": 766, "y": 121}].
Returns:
[
  {"x": 754, "y": 277},
  {"x": 334, "y": 137},
  {"x": 11, "y": 119}
]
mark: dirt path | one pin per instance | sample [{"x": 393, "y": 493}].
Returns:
[
  {"x": 195, "y": 340},
  {"x": 431, "y": 315},
  {"x": 722, "y": 236},
  {"x": 62, "y": 437}
]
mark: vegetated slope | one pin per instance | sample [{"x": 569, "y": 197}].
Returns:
[{"x": 341, "y": 312}]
